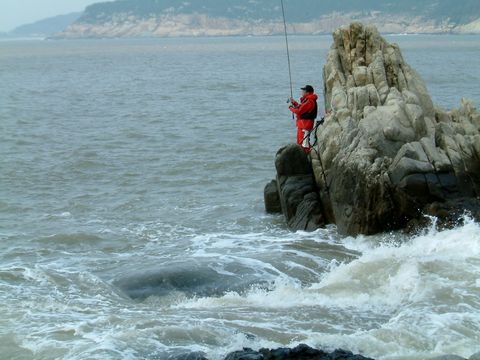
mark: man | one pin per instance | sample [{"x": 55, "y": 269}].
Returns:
[{"x": 306, "y": 111}]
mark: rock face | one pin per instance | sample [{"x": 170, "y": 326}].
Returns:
[
  {"x": 294, "y": 193},
  {"x": 387, "y": 155}
]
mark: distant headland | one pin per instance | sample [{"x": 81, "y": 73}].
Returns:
[{"x": 170, "y": 18}]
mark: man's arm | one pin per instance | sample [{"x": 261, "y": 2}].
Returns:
[
  {"x": 306, "y": 107},
  {"x": 294, "y": 103}
]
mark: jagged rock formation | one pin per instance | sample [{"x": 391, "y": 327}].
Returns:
[{"x": 387, "y": 155}]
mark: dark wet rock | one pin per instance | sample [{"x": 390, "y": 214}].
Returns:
[
  {"x": 272, "y": 198},
  {"x": 386, "y": 155},
  {"x": 190, "y": 356},
  {"x": 245, "y": 354},
  {"x": 291, "y": 160},
  {"x": 190, "y": 279},
  {"x": 301, "y": 352},
  {"x": 296, "y": 190}
]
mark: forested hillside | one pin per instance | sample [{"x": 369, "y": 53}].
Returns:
[
  {"x": 161, "y": 18},
  {"x": 463, "y": 11},
  {"x": 46, "y": 27}
]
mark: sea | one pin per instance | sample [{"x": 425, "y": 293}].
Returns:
[{"x": 132, "y": 223}]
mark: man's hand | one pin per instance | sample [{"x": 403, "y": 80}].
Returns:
[{"x": 292, "y": 100}]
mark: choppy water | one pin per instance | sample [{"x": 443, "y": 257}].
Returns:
[{"x": 131, "y": 212}]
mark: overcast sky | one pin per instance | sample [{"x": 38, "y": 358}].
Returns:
[{"x": 18, "y": 12}]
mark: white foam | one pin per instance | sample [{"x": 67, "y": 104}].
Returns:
[
  {"x": 400, "y": 298},
  {"x": 426, "y": 288}
]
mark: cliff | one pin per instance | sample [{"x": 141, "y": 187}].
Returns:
[
  {"x": 152, "y": 18},
  {"x": 386, "y": 155}
]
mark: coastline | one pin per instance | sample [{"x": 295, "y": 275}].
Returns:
[
  {"x": 191, "y": 36},
  {"x": 199, "y": 25}
]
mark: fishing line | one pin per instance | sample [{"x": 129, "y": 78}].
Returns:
[{"x": 288, "y": 49}]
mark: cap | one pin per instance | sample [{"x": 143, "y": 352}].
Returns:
[{"x": 308, "y": 88}]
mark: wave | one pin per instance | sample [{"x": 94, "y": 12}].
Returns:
[{"x": 424, "y": 290}]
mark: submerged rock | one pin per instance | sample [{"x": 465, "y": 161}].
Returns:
[
  {"x": 272, "y": 198},
  {"x": 387, "y": 155},
  {"x": 189, "y": 278}
]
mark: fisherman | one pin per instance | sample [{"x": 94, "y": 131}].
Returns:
[{"x": 306, "y": 111}]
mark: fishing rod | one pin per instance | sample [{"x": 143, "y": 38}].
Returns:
[{"x": 288, "y": 52}]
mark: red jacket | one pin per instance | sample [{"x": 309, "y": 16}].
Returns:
[{"x": 307, "y": 105}]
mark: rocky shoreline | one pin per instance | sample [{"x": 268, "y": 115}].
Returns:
[
  {"x": 387, "y": 157},
  {"x": 196, "y": 25}
]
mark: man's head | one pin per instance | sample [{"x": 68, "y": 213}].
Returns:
[{"x": 308, "y": 89}]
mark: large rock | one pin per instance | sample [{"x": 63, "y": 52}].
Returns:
[
  {"x": 272, "y": 198},
  {"x": 387, "y": 155},
  {"x": 294, "y": 192}
]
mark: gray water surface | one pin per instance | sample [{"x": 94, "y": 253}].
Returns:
[{"x": 131, "y": 209}]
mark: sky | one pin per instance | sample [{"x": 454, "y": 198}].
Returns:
[{"x": 19, "y": 12}]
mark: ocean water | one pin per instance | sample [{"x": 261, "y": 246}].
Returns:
[{"x": 131, "y": 209}]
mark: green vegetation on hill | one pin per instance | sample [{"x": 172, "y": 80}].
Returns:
[
  {"x": 458, "y": 11},
  {"x": 46, "y": 27}
]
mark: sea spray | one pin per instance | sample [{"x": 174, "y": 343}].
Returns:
[{"x": 424, "y": 289}]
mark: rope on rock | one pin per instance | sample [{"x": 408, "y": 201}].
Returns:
[{"x": 317, "y": 150}]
